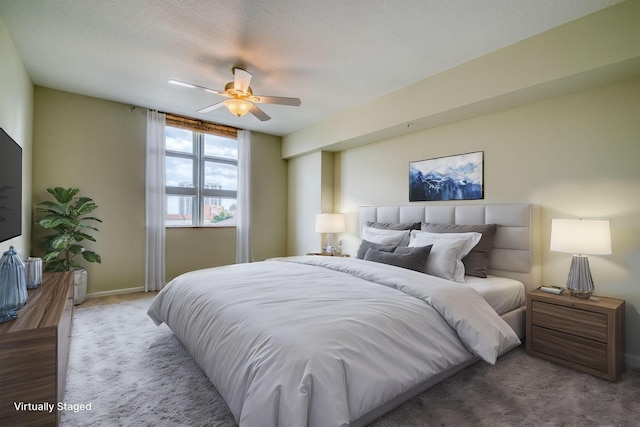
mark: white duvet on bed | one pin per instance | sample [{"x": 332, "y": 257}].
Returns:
[
  {"x": 501, "y": 293},
  {"x": 322, "y": 341}
]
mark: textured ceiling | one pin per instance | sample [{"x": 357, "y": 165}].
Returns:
[{"x": 332, "y": 54}]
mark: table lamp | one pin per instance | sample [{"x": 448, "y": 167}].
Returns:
[
  {"x": 329, "y": 224},
  {"x": 581, "y": 237}
]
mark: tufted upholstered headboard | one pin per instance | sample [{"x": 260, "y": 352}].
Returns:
[{"x": 515, "y": 252}]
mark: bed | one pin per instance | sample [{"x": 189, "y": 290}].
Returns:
[{"x": 329, "y": 341}]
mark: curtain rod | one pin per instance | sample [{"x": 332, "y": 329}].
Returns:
[{"x": 203, "y": 124}]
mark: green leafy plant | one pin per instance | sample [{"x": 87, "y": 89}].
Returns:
[
  {"x": 68, "y": 218},
  {"x": 224, "y": 215}
]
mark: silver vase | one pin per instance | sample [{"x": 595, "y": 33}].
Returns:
[{"x": 33, "y": 272}]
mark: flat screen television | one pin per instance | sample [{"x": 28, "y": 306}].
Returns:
[{"x": 10, "y": 187}]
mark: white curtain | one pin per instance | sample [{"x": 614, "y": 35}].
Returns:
[
  {"x": 243, "y": 205},
  {"x": 155, "y": 201}
]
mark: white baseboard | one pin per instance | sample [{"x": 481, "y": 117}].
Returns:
[
  {"x": 115, "y": 292},
  {"x": 632, "y": 360}
]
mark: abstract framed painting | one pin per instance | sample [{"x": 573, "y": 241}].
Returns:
[{"x": 458, "y": 177}]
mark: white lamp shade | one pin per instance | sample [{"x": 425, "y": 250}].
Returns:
[
  {"x": 581, "y": 236},
  {"x": 330, "y": 223}
]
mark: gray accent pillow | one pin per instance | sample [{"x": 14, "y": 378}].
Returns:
[
  {"x": 476, "y": 262},
  {"x": 409, "y": 258},
  {"x": 396, "y": 226},
  {"x": 365, "y": 245}
]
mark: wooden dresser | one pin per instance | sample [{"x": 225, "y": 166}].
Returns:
[
  {"x": 34, "y": 353},
  {"x": 580, "y": 333}
]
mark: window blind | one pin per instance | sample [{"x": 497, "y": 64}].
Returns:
[{"x": 201, "y": 126}]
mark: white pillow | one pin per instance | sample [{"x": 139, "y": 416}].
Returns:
[
  {"x": 448, "y": 250},
  {"x": 383, "y": 236}
]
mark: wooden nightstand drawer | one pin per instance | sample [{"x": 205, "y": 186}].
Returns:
[
  {"x": 571, "y": 348},
  {"x": 570, "y": 320}
]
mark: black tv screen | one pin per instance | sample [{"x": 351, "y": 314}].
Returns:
[{"x": 10, "y": 187}]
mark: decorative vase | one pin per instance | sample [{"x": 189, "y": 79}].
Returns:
[
  {"x": 33, "y": 272},
  {"x": 13, "y": 287},
  {"x": 79, "y": 286}
]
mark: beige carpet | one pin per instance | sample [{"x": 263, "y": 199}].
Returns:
[{"x": 136, "y": 374}]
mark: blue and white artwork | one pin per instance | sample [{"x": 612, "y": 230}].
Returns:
[{"x": 457, "y": 177}]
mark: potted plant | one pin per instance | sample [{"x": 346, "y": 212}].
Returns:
[{"x": 68, "y": 218}]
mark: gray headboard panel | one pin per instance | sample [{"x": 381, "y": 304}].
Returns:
[{"x": 515, "y": 252}]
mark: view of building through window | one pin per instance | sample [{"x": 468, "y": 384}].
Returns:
[{"x": 201, "y": 179}]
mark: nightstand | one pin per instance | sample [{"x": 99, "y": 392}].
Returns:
[{"x": 579, "y": 333}]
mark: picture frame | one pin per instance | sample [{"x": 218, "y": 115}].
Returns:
[{"x": 456, "y": 177}]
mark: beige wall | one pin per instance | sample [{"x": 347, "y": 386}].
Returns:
[
  {"x": 16, "y": 118},
  {"x": 268, "y": 197},
  {"x": 194, "y": 248},
  {"x": 304, "y": 202},
  {"x": 310, "y": 193},
  {"x": 574, "y": 156},
  {"x": 99, "y": 147}
]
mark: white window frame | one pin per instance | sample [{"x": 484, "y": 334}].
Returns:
[{"x": 198, "y": 192}]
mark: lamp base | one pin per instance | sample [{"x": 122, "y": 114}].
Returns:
[
  {"x": 580, "y": 282},
  {"x": 580, "y": 294},
  {"x": 329, "y": 248}
]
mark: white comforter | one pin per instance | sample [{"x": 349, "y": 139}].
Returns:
[{"x": 322, "y": 341}]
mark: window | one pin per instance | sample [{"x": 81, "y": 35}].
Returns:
[{"x": 201, "y": 174}]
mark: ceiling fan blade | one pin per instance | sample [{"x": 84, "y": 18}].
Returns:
[
  {"x": 192, "y": 86},
  {"x": 295, "y": 102},
  {"x": 211, "y": 107},
  {"x": 261, "y": 115},
  {"x": 241, "y": 80}
]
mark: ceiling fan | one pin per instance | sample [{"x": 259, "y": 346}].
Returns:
[{"x": 241, "y": 98}]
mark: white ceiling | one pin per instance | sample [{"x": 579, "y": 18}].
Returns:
[{"x": 332, "y": 54}]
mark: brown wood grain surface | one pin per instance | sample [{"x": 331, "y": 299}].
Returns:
[{"x": 34, "y": 353}]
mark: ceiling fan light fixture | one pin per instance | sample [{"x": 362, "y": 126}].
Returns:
[
  {"x": 241, "y": 99},
  {"x": 237, "y": 107}
]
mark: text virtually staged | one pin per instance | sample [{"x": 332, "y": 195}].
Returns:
[{"x": 50, "y": 407}]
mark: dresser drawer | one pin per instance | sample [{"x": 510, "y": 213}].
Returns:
[
  {"x": 573, "y": 321},
  {"x": 571, "y": 348}
]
